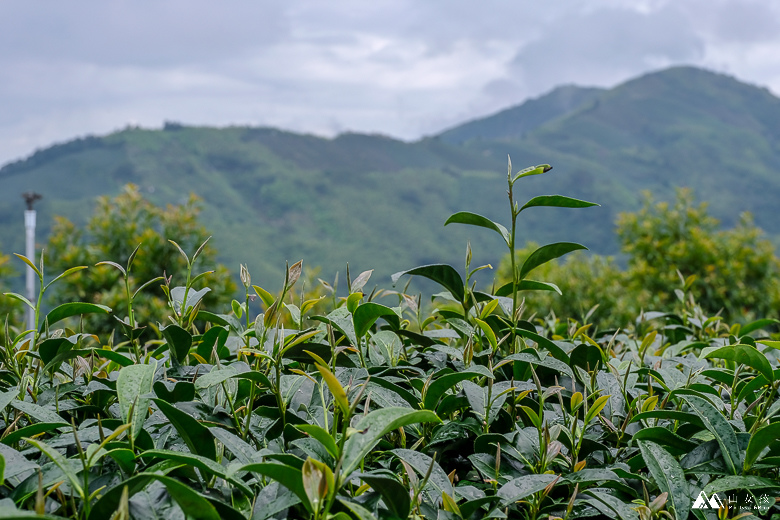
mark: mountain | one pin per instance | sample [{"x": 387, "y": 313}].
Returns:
[
  {"x": 515, "y": 122},
  {"x": 678, "y": 127},
  {"x": 376, "y": 202}
]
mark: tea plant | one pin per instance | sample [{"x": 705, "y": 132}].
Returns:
[{"x": 368, "y": 406}]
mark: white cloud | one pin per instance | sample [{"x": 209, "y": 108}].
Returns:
[{"x": 398, "y": 67}]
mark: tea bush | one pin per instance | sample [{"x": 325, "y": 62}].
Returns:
[
  {"x": 8, "y": 308},
  {"x": 370, "y": 410}
]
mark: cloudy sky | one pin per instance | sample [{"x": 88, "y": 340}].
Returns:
[{"x": 405, "y": 68}]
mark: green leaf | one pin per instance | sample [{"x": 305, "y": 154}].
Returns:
[
  {"x": 341, "y": 320},
  {"x": 538, "y": 359},
  {"x": 532, "y": 170},
  {"x": 174, "y": 392},
  {"x": 202, "y": 463},
  {"x": 746, "y": 355},
  {"x": 66, "y": 273},
  {"x": 421, "y": 463},
  {"x": 591, "y": 475},
  {"x": 133, "y": 382},
  {"x": 443, "y": 274},
  {"x": 373, "y": 427},
  {"x": 147, "y": 284},
  {"x": 17, "y": 296},
  {"x": 595, "y": 408},
  {"x": 11, "y": 513},
  {"x": 2, "y": 469},
  {"x": 7, "y": 397},
  {"x": 186, "y": 258},
  {"x": 29, "y": 263},
  {"x": 360, "y": 512},
  {"x": 193, "y": 504},
  {"x": 196, "y": 436},
  {"x": 365, "y": 316},
  {"x": 50, "y": 348},
  {"x": 61, "y": 463},
  {"x": 255, "y": 377},
  {"x": 470, "y": 507},
  {"x": 15, "y": 463},
  {"x": 440, "y": 385},
  {"x": 39, "y": 413},
  {"x": 30, "y": 431},
  {"x": 322, "y": 435},
  {"x": 264, "y": 295},
  {"x": 243, "y": 452},
  {"x": 610, "y": 506},
  {"x": 339, "y": 395},
  {"x": 671, "y": 415},
  {"x": 720, "y": 429},
  {"x": 668, "y": 476},
  {"x": 546, "y": 253},
  {"x": 535, "y": 419},
  {"x": 527, "y": 285},
  {"x": 557, "y": 201},
  {"x": 756, "y": 325},
  {"x": 288, "y": 476},
  {"x": 193, "y": 297},
  {"x": 760, "y": 440},
  {"x": 394, "y": 494},
  {"x": 179, "y": 342},
  {"x": 739, "y": 482},
  {"x": 116, "y": 357},
  {"x": 547, "y": 344},
  {"x": 215, "y": 377},
  {"x": 472, "y": 219},
  {"x": 124, "y": 457},
  {"x": 521, "y": 487},
  {"x": 678, "y": 445},
  {"x": 318, "y": 482},
  {"x": 488, "y": 332},
  {"x": 66, "y": 310}
]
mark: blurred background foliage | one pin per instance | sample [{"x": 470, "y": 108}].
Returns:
[
  {"x": 119, "y": 224},
  {"x": 735, "y": 270}
]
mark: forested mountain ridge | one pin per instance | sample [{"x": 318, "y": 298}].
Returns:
[{"x": 377, "y": 202}]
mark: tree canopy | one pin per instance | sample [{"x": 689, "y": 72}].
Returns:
[{"x": 117, "y": 226}]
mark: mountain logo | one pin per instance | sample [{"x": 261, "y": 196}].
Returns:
[{"x": 702, "y": 502}]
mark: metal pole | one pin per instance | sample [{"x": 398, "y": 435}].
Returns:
[{"x": 29, "y": 251}]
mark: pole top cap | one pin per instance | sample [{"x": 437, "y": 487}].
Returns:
[{"x": 30, "y": 197}]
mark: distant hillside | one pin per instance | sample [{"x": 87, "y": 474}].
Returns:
[
  {"x": 515, "y": 122},
  {"x": 678, "y": 127},
  {"x": 271, "y": 196}
]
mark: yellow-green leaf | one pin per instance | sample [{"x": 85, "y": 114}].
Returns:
[
  {"x": 596, "y": 407},
  {"x": 335, "y": 388}
]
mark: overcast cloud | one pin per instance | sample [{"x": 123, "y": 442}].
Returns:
[{"x": 399, "y": 67}]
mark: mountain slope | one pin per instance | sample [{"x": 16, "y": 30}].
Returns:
[
  {"x": 678, "y": 127},
  {"x": 514, "y": 122},
  {"x": 271, "y": 196}
]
